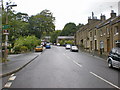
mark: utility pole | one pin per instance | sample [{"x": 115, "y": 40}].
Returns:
[
  {"x": 6, "y": 31},
  {"x": 6, "y": 34}
]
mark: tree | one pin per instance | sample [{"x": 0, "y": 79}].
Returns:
[
  {"x": 19, "y": 27},
  {"x": 18, "y": 24},
  {"x": 42, "y": 23},
  {"x": 69, "y": 29},
  {"x": 54, "y": 35}
]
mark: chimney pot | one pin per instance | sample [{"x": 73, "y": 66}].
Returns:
[{"x": 113, "y": 14}]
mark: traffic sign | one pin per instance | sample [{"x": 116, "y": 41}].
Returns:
[
  {"x": 5, "y": 32},
  {"x": 6, "y": 27}
]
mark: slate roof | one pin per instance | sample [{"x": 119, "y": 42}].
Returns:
[{"x": 110, "y": 21}]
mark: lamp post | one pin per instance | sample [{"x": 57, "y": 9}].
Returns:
[{"x": 6, "y": 33}]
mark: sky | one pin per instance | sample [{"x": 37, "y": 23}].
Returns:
[{"x": 65, "y": 11}]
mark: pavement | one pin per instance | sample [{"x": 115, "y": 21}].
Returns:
[{"x": 17, "y": 62}]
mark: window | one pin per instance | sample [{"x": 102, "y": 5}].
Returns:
[
  {"x": 108, "y": 31},
  {"x": 116, "y": 30},
  {"x": 117, "y": 43},
  {"x": 118, "y": 52},
  {"x": 90, "y": 34},
  {"x": 101, "y": 44},
  {"x": 101, "y": 33},
  {"x": 95, "y": 32}
]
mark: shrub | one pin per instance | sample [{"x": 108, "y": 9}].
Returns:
[
  {"x": 69, "y": 42},
  {"x": 23, "y": 44},
  {"x": 16, "y": 49},
  {"x": 62, "y": 42},
  {"x": 23, "y": 49}
]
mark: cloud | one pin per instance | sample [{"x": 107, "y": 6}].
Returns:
[{"x": 66, "y": 11}]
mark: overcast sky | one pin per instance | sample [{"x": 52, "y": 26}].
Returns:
[{"x": 66, "y": 11}]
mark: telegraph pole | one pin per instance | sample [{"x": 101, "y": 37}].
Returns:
[
  {"x": 6, "y": 34},
  {"x": 6, "y": 30}
]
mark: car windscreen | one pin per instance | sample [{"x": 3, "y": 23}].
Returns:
[
  {"x": 118, "y": 52},
  {"x": 47, "y": 44},
  {"x": 68, "y": 45},
  {"x": 38, "y": 47},
  {"x": 74, "y": 47}
]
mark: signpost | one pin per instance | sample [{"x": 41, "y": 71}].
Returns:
[{"x": 6, "y": 27}]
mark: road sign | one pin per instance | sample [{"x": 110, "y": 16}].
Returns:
[
  {"x": 6, "y": 27},
  {"x": 5, "y": 32}
]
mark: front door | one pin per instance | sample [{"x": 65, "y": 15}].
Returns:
[{"x": 108, "y": 45}]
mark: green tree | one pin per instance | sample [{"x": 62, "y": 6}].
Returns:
[
  {"x": 54, "y": 35},
  {"x": 42, "y": 23},
  {"x": 18, "y": 24},
  {"x": 69, "y": 29}
]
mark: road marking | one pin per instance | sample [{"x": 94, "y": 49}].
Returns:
[
  {"x": 77, "y": 63},
  {"x": 67, "y": 56},
  {"x": 12, "y": 75},
  {"x": 73, "y": 60},
  {"x": 8, "y": 84},
  {"x": 64, "y": 54},
  {"x": 105, "y": 80},
  {"x": 12, "y": 78}
]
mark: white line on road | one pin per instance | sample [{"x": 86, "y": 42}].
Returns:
[
  {"x": 77, "y": 63},
  {"x": 73, "y": 60},
  {"x": 12, "y": 78},
  {"x": 12, "y": 75},
  {"x": 67, "y": 56},
  {"x": 105, "y": 80},
  {"x": 8, "y": 84}
]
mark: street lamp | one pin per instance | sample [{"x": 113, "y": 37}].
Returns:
[{"x": 6, "y": 34}]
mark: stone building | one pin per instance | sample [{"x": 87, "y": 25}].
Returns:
[
  {"x": 108, "y": 33},
  {"x": 99, "y": 35}
]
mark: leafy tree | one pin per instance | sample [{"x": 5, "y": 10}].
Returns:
[
  {"x": 42, "y": 23},
  {"x": 18, "y": 24},
  {"x": 54, "y": 35},
  {"x": 69, "y": 29}
]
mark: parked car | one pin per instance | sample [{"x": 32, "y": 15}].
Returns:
[
  {"x": 68, "y": 46},
  {"x": 48, "y": 46},
  {"x": 74, "y": 48},
  {"x": 38, "y": 49},
  {"x": 58, "y": 44},
  {"x": 114, "y": 58}
]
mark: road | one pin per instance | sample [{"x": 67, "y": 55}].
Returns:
[{"x": 60, "y": 68}]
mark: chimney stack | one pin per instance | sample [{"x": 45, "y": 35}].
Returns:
[
  {"x": 102, "y": 17},
  {"x": 113, "y": 14}
]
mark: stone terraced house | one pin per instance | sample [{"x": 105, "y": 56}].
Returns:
[{"x": 99, "y": 36}]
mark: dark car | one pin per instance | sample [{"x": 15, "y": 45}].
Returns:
[{"x": 114, "y": 58}]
